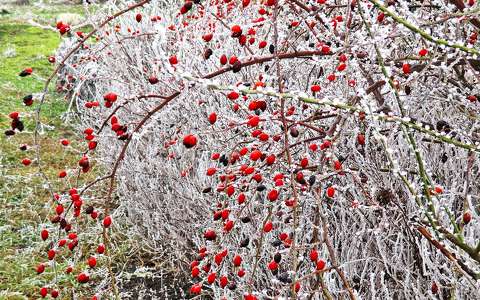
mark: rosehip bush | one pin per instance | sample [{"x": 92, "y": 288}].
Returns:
[{"x": 279, "y": 148}]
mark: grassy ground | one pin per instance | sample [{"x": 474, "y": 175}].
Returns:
[{"x": 23, "y": 203}]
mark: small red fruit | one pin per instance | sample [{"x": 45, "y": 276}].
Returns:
[
  {"x": 380, "y": 17},
  {"x": 253, "y": 121},
  {"x": 173, "y": 60},
  {"x": 330, "y": 191},
  {"x": 195, "y": 272},
  {"x": 273, "y": 195},
  {"x": 207, "y": 37},
  {"x": 212, "y": 118},
  {"x": 241, "y": 273},
  {"x": 233, "y": 95},
  {"x": 26, "y": 72},
  {"x": 59, "y": 209},
  {"x": 223, "y": 281},
  {"x": 271, "y": 159},
  {"x": 236, "y": 31},
  {"x": 228, "y": 226},
  {"x": 472, "y": 98},
  {"x": 361, "y": 139},
  {"x": 51, "y": 254},
  {"x": 43, "y": 292},
  {"x": 83, "y": 162},
  {"x": 110, "y": 97},
  {"x": 237, "y": 260},
  {"x": 268, "y": 226},
  {"x": 467, "y": 217},
  {"x": 313, "y": 255},
  {"x": 320, "y": 264},
  {"x": 272, "y": 265},
  {"x": 92, "y": 262},
  {"x": 241, "y": 198},
  {"x": 44, "y": 234},
  {"x": 211, "y": 171},
  {"x": 337, "y": 165},
  {"x": 153, "y": 79},
  {"x": 297, "y": 287},
  {"x": 13, "y": 115},
  {"x": 315, "y": 88},
  {"x": 223, "y": 59},
  {"x": 40, "y": 268},
  {"x": 211, "y": 278},
  {"x": 101, "y": 249},
  {"x": 83, "y": 278},
  {"x": 196, "y": 288},
  {"x": 107, "y": 221},
  {"x": 189, "y": 141},
  {"x": 210, "y": 235}
]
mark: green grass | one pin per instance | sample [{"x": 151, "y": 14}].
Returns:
[
  {"x": 43, "y": 13},
  {"x": 23, "y": 201}
]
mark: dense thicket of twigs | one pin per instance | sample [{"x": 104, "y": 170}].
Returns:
[{"x": 379, "y": 167}]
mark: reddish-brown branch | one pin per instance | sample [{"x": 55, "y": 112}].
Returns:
[
  {"x": 331, "y": 253},
  {"x": 127, "y": 142},
  {"x": 260, "y": 60},
  {"x": 424, "y": 232},
  {"x": 461, "y": 6}
]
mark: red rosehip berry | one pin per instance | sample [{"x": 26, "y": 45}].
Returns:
[
  {"x": 313, "y": 255},
  {"x": 315, "y": 88},
  {"x": 467, "y": 217},
  {"x": 43, "y": 292},
  {"x": 44, "y": 234},
  {"x": 173, "y": 60},
  {"x": 320, "y": 264},
  {"x": 268, "y": 226},
  {"x": 361, "y": 139},
  {"x": 272, "y": 265},
  {"x": 110, "y": 97},
  {"x": 92, "y": 261},
  {"x": 107, "y": 221},
  {"x": 212, "y": 118},
  {"x": 83, "y": 278},
  {"x": 40, "y": 268},
  {"x": 101, "y": 249},
  {"x": 330, "y": 191},
  {"x": 189, "y": 141}
]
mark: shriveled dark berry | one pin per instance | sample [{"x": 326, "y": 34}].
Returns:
[
  {"x": 208, "y": 52},
  {"x": 237, "y": 66},
  {"x": 294, "y": 132},
  {"x": 245, "y": 219},
  {"x": 277, "y": 257}
]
